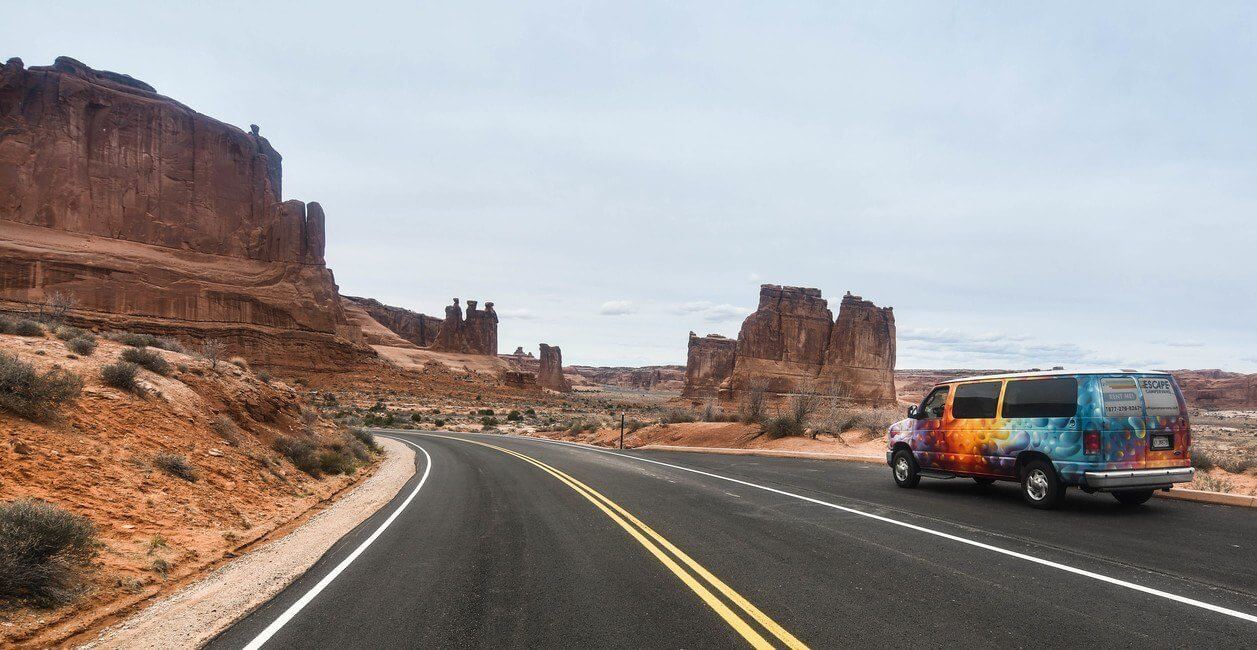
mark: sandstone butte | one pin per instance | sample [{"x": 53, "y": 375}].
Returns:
[
  {"x": 550, "y": 370},
  {"x": 793, "y": 344},
  {"x": 158, "y": 219}
]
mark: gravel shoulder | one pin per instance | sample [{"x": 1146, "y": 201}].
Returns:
[{"x": 195, "y": 614}]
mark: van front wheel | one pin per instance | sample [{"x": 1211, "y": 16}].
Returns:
[
  {"x": 904, "y": 467},
  {"x": 1040, "y": 486},
  {"x": 1132, "y": 497}
]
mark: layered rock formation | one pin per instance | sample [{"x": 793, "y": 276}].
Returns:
[
  {"x": 550, "y": 369},
  {"x": 708, "y": 364},
  {"x": 1218, "y": 389},
  {"x": 415, "y": 327},
  {"x": 157, "y": 218},
  {"x": 477, "y": 333},
  {"x": 792, "y": 344}
]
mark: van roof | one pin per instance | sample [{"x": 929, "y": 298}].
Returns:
[{"x": 1058, "y": 373}]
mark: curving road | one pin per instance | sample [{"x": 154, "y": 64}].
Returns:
[{"x": 510, "y": 541}]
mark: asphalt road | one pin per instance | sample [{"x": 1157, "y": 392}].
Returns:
[{"x": 531, "y": 543}]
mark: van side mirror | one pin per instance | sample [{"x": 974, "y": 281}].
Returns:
[{"x": 912, "y": 411}]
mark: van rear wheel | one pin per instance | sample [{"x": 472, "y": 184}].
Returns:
[
  {"x": 1040, "y": 485},
  {"x": 1132, "y": 497},
  {"x": 904, "y": 467}
]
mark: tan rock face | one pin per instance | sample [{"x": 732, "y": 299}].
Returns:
[
  {"x": 1217, "y": 389},
  {"x": 550, "y": 369},
  {"x": 157, "y": 218},
  {"x": 475, "y": 334},
  {"x": 792, "y": 344},
  {"x": 417, "y": 328},
  {"x": 708, "y": 364}
]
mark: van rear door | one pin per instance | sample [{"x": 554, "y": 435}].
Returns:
[{"x": 1145, "y": 421}]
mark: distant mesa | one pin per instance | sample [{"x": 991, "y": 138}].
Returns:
[{"x": 793, "y": 344}]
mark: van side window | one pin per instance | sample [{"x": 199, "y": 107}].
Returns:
[
  {"x": 934, "y": 404},
  {"x": 975, "y": 401},
  {"x": 1041, "y": 398}
]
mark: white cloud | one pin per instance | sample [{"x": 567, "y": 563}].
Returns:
[
  {"x": 616, "y": 308},
  {"x": 753, "y": 278},
  {"x": 1178, "y": 343},
  {"x": 711, "y": 312},
  {"x": 516, "y": 314},
  {"x": 965, "y": 349}
]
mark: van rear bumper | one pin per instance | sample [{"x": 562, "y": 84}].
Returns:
[{"x": 1138, "y": 478}]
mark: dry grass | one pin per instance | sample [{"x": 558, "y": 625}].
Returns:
[{"x": 33, "y": 395}]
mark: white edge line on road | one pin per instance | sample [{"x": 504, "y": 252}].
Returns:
[
  {"x": 938, "y": 533},
  {"x": 296, "y": 607}
]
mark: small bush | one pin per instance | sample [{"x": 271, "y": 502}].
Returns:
[
  {"x": 240, "y": 363},
  {"x": 161, "y": 567},
  {"x": 416, "y": 417},
  {"x": 135, "y": 340},
  {"x": 66, "y": 333},
  {"x": 334, "y": 461},
  {"x": 28, "y": 328},
  {"x": 170, "y": 343},
  {"x": 438, "y": 422},
  {"x": 121, "y": 375},
  {"x": 6, "y": 326},
  {"x": 1210, "y": 483},
  {"x": 488, "y": 422},
  {"x": 1237, "y": 462},
  {"x": 147, "y": 359},
  {"x": 366, "y": 438},
  {"x": 752, "y": 410},
  {"x": 300, "y": 453},
  {"x": 227, "y": 429},
  {"x": 83, "y": 347},
  {"x": 44, "y": 550},
  {"x": 32, "y": 395},
  {"x": 675, "y": 416},
  {"x": 486, "y": 412},
  {"x": 780, "y": 427},
  {"x": 530, "y": 412},
  {"x": 514, "y": 416},
  {"x": 633, "y": 425},
  {"x": 1203, "y": 459},
  {"x": 264, "y": 377},
  {"x": 176, "y": 465}
]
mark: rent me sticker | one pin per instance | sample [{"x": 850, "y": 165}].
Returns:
[
  {"x": 1159, "y": 396},
  {"x": 1121, "y": 397}
]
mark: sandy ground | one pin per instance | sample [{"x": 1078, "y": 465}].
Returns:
[
  {"x": 194, "y": 615},
  {"x": 728, "y": 435}
]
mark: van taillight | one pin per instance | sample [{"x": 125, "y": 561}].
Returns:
[{"x": 1091, "y": 442}]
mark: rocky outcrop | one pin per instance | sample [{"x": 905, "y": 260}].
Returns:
[
  {"x": 708, "y": 364},
  {"x": 475, "y": 334},
  {"x": 550, "y": 369},
  {"x": 1218, "y": 389},
  {"x": 792, "y": 344},
  {"x": 415, "y": 327},
  {"x": 157, "y": 218}
]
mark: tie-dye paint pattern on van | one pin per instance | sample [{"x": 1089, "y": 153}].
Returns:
[{"x": 1132, "y": 421}]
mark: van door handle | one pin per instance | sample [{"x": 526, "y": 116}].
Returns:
[{"x": 1073, "y": 422}]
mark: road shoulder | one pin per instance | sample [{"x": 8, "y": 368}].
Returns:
[{"x": 198, "y": 612}]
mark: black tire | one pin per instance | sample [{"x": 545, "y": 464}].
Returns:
[
  {"x": 1132, "y": 497},
  {"x": 1041, "y": 487},
  {"x": 984, "y": 481},
  {"x": 904, "y": 468}
]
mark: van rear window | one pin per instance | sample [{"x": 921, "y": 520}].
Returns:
[
  {"x": 1121, "y": 397},
  {"x": 1041, "y": 398},
  {"x": 974, "y": 401},
  {"x": 1159, "y": 396}
]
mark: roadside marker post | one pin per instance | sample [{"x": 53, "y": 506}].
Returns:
[{"x": 621, "y": 431}]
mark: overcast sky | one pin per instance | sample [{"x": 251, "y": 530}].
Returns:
[{"x": 1031, "y": 185}]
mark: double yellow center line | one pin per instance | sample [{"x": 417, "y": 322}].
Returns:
[{"x": 656, "y": 544}]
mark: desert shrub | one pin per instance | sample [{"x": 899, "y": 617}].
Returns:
[
  {"x": 34, "y": 395},
  {"x": 332, "y": 461},
  {"x": 66, "y": 333},
  {"x": 752, "y": 410},
  {"x": 146, "y": 358},
  {"x": 81, "y": 346},
  {"x": 530, "y": 412},
  {"x": 438, "y": 422},
  {"x": 44, "y": 548},
  {"x": 28, "y": 328},
  {"x": 486, "y": 412},
  {"x": 54, "y": 307},
  {"x": 170, "y": 343},
  {"x": 416, "y": 417},
  {"x": 227, "y": 429},
  {"x": 488, "y": 422},
  {"x": 135, "y": 340},
  {"x": 300, "y": 453},
  {"x": 514, "y": 416},
  {"x": 782, "y": 426},
  {"x": 1211, "y": 483},
  {"x": 264, "y": 377},
  {"x": 239, "y": 362},
  {"x": 213, "y": 350},
  {"x": 366, "y": 438},
  {"x": 1237, "y": 462},
  {"x": 6, "y": 326},
  {"x": 1203, "y": 459},
  {"x": 121, "y": 375},
  {"x": 674, "y": 416},
  {"x": 176, "y": 465},
  {"x": 161, "y": 567},
  {"x": 633, "y": 425},
  {"x": 837, "y": 418}
]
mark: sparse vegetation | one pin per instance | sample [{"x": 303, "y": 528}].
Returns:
[
  {"x": 514, "y": 416},
  {"x": 366, "y": 438},
  {"x": 227, "y": 429},
  {"x": 83, "y": 347},
  {"x": 1211, "y": 483},
  {"x": 121, "y": 375},
  {"x": 66, "y": 333},
  {"x": 213, "y": 350},
  {"x": 55, "y": 306},
  {"x": 752, "y": 411},
  {"x": 170, "y": 343},
  {"x": 783, "y": 426},
  {"x": 161, "y": 567},
  {"x": 674, "y": 416},
  {"x": 28, "y": 328},
  {"x": 302, "y": 455},
  {"x": 6, "y": 326},
  {"x": 240, "y": 363},
  {"x": 33, "y": 395},
  {"x": 147, "y": 359},
  {"x": 488, "y": 422},
  {"x": 337, "y": 461},
  {"x": 176, "y": 465},
  {"x": 134, "y": 340},
  {"x": 264, "y": 377},
  {"x": 44, "y": 550}
]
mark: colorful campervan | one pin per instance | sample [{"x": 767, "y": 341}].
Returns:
[{"x": 1121, "y": 431}]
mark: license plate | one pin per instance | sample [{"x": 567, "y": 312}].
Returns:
[{"x": 1162, "y": 442}]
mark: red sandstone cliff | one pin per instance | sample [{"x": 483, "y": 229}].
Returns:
[
  {"x": 475, "y": 334},
  {"x": 417, "y": 328},
  {"x": 792, "y": 343},
  {"x": 550, "y": 369},
  {"x": 157, "y": 218}
]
